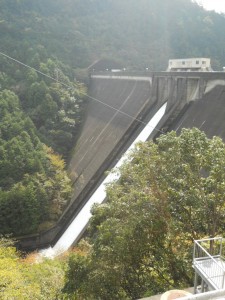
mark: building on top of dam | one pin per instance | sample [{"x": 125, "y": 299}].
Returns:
[{"x": 190, "y": 64}]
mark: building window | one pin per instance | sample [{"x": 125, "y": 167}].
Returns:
[
  {"x": 197, "y": 62},
  {"x": 171, "y": 63},
  {"x": 183, "y": 62},
  {"x": 203, "y": 62}
]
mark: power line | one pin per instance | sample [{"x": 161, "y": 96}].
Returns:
[
  {"x": 27, "y": 66},
  {"x": 84, "y": 94}
]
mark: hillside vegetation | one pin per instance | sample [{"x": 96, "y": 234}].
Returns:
[
  {"x": 139, "y": 34},
  {"x": 40, "y": 117}
]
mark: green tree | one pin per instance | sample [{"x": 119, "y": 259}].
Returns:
[
  {"x": 34, "y": 187},
  {"x": 169, "y": 194},
  {"x": 26, "y": 279},
  {"x": 20, "y": 210}
]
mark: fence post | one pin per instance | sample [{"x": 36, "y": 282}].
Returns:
[
  {"x": 221, "y": 245},
  {"x": 194, "y": 251}
]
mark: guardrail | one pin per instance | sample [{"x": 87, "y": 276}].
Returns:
[
  {"x": 208, "y": 247},
  {"x": 208, "y": 260}
]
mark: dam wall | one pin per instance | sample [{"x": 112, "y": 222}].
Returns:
[{"x": 119, "y": 106}]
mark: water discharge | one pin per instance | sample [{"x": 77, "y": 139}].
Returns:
[{"x": 80, "y": 222}]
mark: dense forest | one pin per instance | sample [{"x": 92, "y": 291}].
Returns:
[
  {"x": 34, "y": 185},
  {"x": 40, "y": 118},
  {"x": 138, "y": 34}
]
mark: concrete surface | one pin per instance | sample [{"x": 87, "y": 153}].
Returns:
[
  {"x": 207, "y": 114},
  {"x": 105, "y": 126},
  {"x": 159, "y": 297}
]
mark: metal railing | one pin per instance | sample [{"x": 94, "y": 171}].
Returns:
[{"x": 208, "y": 259}]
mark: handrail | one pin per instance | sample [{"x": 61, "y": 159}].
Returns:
[
  {"x": 206, "y": 255},
  {"x": 209, "y": 239},
  {"x": 204, "y": 250}
]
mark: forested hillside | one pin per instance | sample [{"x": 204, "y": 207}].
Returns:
[
  {"x": 34, "y": 187},
  {"x": 60, "y": 39},
  {"x": 40, "y": 117},
  {"x": 139, "y": 34}
]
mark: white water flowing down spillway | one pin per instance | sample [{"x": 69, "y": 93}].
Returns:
[{"x": 80, "y": 222}]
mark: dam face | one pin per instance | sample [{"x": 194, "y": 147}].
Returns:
[
  {"x": 119, "y": 106},
  {"x": 107, "y": 125}
]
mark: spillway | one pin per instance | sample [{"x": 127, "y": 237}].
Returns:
[{"x": 79, "y": 224}]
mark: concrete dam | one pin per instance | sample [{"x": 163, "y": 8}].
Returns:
[{"x": 119, "y": 107}]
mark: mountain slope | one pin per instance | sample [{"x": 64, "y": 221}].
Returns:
[{"x": 139, "y": 34}]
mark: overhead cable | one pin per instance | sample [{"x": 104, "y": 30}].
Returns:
[{"x": 82, "y": 93}]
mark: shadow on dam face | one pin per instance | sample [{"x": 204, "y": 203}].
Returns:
[{"x": 207, "y": 114}]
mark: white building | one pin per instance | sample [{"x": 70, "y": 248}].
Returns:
[{"x": 190, "y": 64}]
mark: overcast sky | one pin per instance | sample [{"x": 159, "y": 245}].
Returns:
[{"x": 217, "y": 5}]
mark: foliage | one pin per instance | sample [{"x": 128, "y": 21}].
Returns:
[
  {"x": 23, "y": 280},
  {"x": 171, "y": 193},
  {"x": 78, "y": 269},
  {"x": 34, "y": 109},
  {"x": 146, "y": 33},
  {"x": 34, "y": 187},
  {"x": 54, "y": 101},
  {"x": 55, "y": 110}
]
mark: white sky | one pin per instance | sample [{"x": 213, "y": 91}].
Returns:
[{"x": 217, "y": 5}]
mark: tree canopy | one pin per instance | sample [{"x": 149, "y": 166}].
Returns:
[
  {"x": 34, "y": 187},
  {"x": 25, "y": 279},
  {"x": 139, "y": 34},
  {"x": 142, "y": 237}
]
